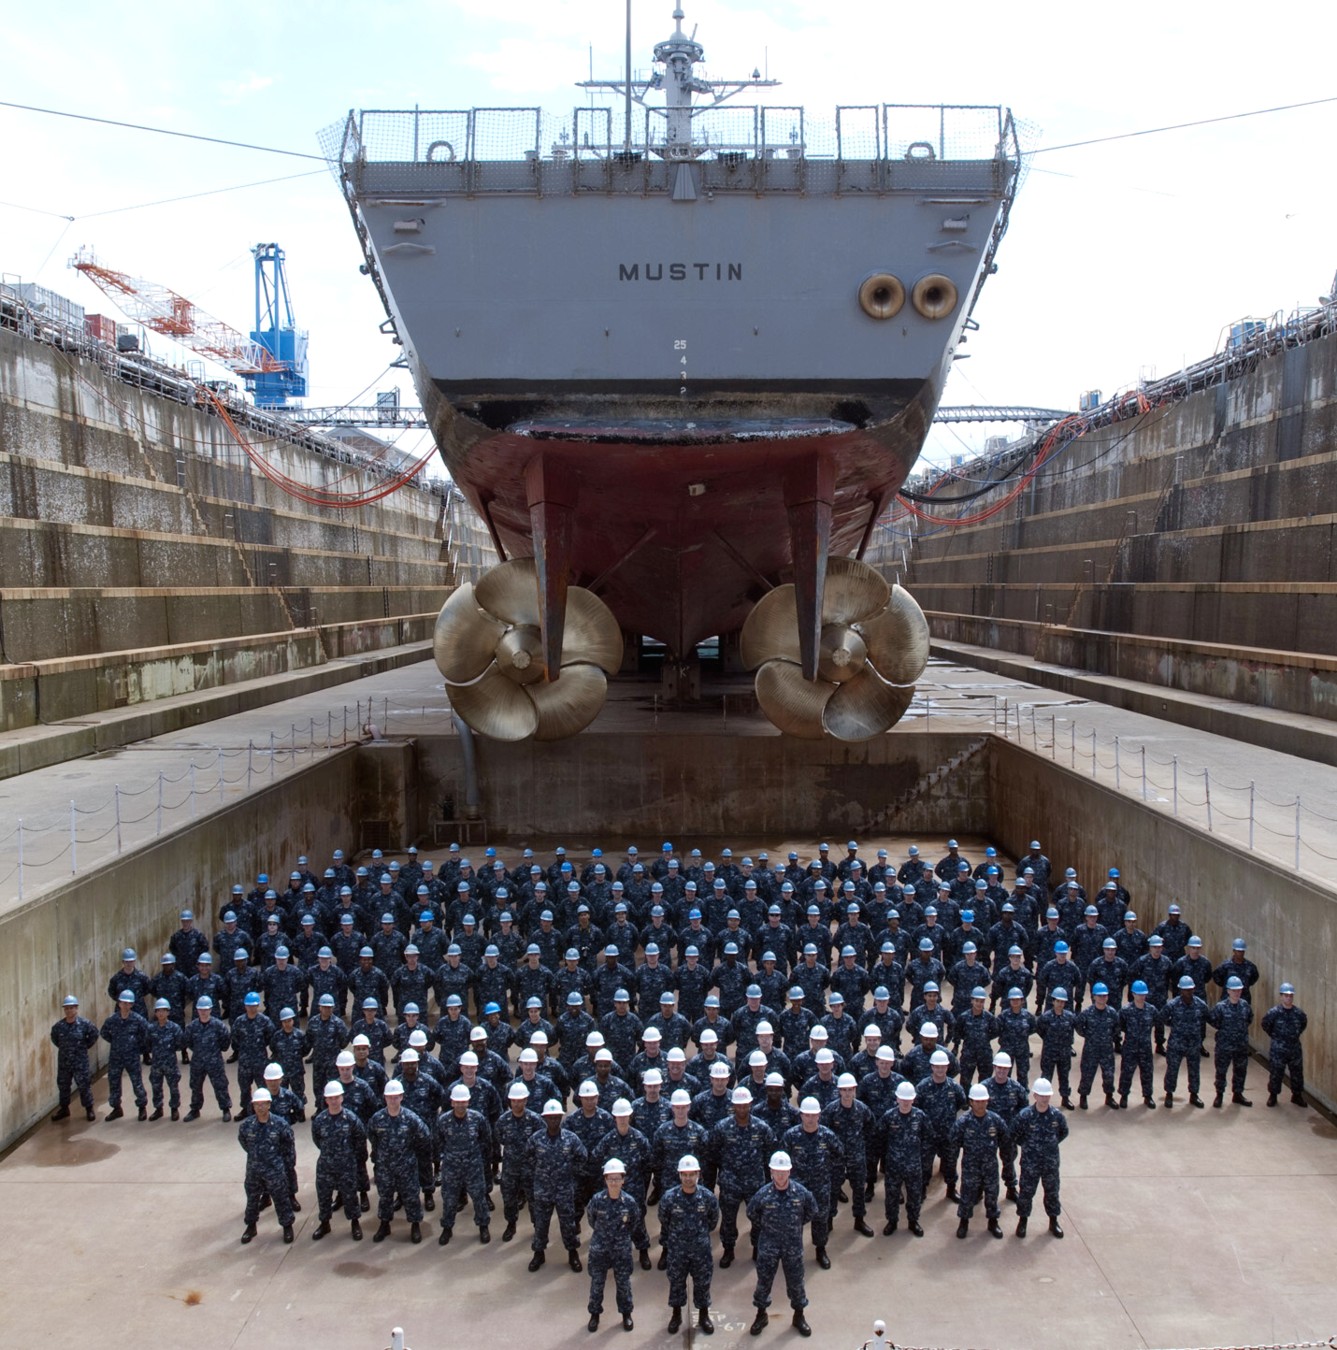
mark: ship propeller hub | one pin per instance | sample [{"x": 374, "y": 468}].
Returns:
[
  {"x": 841, "y": 654},
  {"x": 520, "y": 654}
]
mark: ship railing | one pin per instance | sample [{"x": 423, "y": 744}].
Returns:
[{"x": 875, "y": 132}]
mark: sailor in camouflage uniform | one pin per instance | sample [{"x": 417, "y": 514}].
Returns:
[
  {"x": 558, "y": 1158},
  {"x": 905, "y": 1131},
  {"x": 818, "y": 1157},
  {"x": 739, "y": 1147},
  {"x": 1231, "y": 1017},
  {"x": 514, "y": 1130},
  {"x": 206, "y": 1037},
  {"x": 341, "y": 1137},
  {"x": 397, "y": 1139},
  {"x": 1007, "y": 1099},
  {"x": 165, "y": 1038},
  {"x": 73, "y": 1036},
  {"x": 613, "y": 1217},
  {"x": 1038, "y": 1132},
  {"x": 464, "y": 1142},
  {"x": 978, "y": 1135},
  {"x": 126, "y": 1032},
  {"x": 778, "y": 1212},
  {"x": 271, "y": 1159},
  {"x": 688, "y": 1214},
  {"x": 1139, "y": 1022},
  {"x": 1186, "y": 1016},
  {"x": 1285, "y": 1024}
]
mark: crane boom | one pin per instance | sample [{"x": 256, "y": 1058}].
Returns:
[{"x": 161, "y": 309}]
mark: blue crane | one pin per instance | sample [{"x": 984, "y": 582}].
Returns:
[{"x": 276, "y": 332}]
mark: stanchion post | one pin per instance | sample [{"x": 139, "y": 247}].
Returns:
[
  {"x": 1297, "y": 850},
  {"x": 1093, "y": 752},
  {"x": 193, "y": 808},
  {"x": 1251, "y": 802},
  {"x": 1207, "y": 793},
  {"x": 1118, "y": 768},
  {"x": 158, "y": 832},
  {"x": 1143, "y": 753},
  {"x": 1297, "y": 836},
  {"x": 222, "y": 783},
  {"x": 118, "y": 817},
  {"x": 250, "y": 763},
  {"x": 74, "y": 843},
  {"x": 1174, "y": 781}
]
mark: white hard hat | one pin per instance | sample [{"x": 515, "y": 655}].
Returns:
[
  {"x": 929, "y": 1029},
  {"x": 615, "y": 1165},
  {"x": 345, "y": 1059},
  {"x": 622, "y": 1107},
  {"x": 688, "y": 1163},
  {"x": 979, "y": 1093},
  {"x": 517, "y": 1092},
  {"x": 847, "y": 1080},
  {"x": 780, "y": 1162},
  {"x": 552, "y": 1107},
  {"x": 810, "y": 1106},
  {"x": 1002, "y": 1060},
  {"x": 459, "y": 1093},
  {"x": 741, "y": 1097},
  {"x": 824, "y": 1056},
  {"x": 394, "y": 1088},
  {"x": 273, "y": 1071},
  {"x": 756, "y": 1059},
  {"x": 261, "y": 1095},
  {"x": 939, "y": 1057},
  {"x": 529, "y": 1055},
  {"x": 410, "y": 1056},
  {"x": 1042, "y": 1087},
  {"x": 681, "y": 1098},
  {"x": 334, "y": 1088},
  {"x": 905, "y": 1092}
]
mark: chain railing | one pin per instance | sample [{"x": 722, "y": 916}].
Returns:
[
  {"x": 38, "y": 852},
  {"x": 1237, "y": 811}
]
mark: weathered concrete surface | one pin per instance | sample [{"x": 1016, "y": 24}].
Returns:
[
  {"x": 641, "y": 784},
  {"x": 1183, "y": 1228},
  {"x": 69, "y": 940}
]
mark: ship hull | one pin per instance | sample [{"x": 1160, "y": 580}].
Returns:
[{"x": 681, "y": 524}]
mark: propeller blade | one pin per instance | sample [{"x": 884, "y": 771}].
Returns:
[
  {"x": 770, "y": 632},
  {"x": 592, "y": 633},
  {"x": 897, "y": 639},
  {"x": 792, "y": 703},
  {"x": 569, "y": 704},
  {"x": 865, "y": 706},
  {"x": 495, "y": 706},
  {"x": 854, "y": 592},
  {"x": 510, "y": 591},
  {"x": 465, "y": 637}
]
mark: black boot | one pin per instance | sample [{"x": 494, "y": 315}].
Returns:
[
  {"x": 1195, "y": 1100},
  {"x": 916, "y": 1228},
  {"x": 382, "y": 1232},
  {"x": 1109, "y": 1100},
  {"x": 355, "y": 1229},
  {"x": 1123, "y": 1101},
  {"x": 484, "y": 1235},
  {"x": 823, "y": 1259},
  {"x": 801, "y": 1323},
  {"x": 415, "y": 1232},
  {"x": 726, "y": 1258},
  {"x": 1218, "y": 1099},
  {"x": 758, "y": 1323},
  {"x": 446, "y": 1235},
  {"x": 1021, "y": 1227},
  {"x": 1299, "y": 1099},
  {"x": 573, "y": 1260},
  {"x": 364, "y": 1200},
  {"x": 92, "y": 1115},
  {"x": 287, "y": 1232},
  {"x": 1066, "y": 1103},
  {"x": 1055, "y": 1228},
  {"x": 704, "y": 1322},
  {"x": 1081, "y": 1101},
  {"x": 115, "y": 1113},
  {"x": 662, "y": 1263},
  {"x": 428, "y": 1201},
  {"x": 536, "y": 1260},
  {"x": 322, "y": 1230},
  {"x": 508, "y": 1233},
  {"x": 1240, "y": 1099},
  {"x": 994, "y": 1229},
  {"x": 963, "y": 1228},
  {"x": 953, "y": 1197},
  {"x": 646, "y": 1263},
  {"x": 1271, "y": 1098},
  {"x": 889, "y": 1227},
  {"x": 248, "y": 1234},
  {"x": 1169, "y": 1101},
  {"x": 1149, "y": 1103},
  {"x": 64, "y": 1113},
  {"x": 675, "y": 1322},
  {"x": 627, "y": 1323},
  {"x": 157, "y": 1113},
  {"x": 861, "y": 1227},
  {"x": 594, "y": 1322}
]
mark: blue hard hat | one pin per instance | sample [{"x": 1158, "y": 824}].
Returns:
[
  {"x": 489, "y": 1009},
  {"x": 1098, "y": 989},
  {"x": 1140, "y": 987},
  {"x": 252, "y": 1000}
]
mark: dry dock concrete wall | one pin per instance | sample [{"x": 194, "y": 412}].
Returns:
[
  {"x": 1289, "y": 922},
  {"x": 70, "y": 940}
]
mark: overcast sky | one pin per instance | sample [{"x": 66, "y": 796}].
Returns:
[{"x": 1123, "y": 260}]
